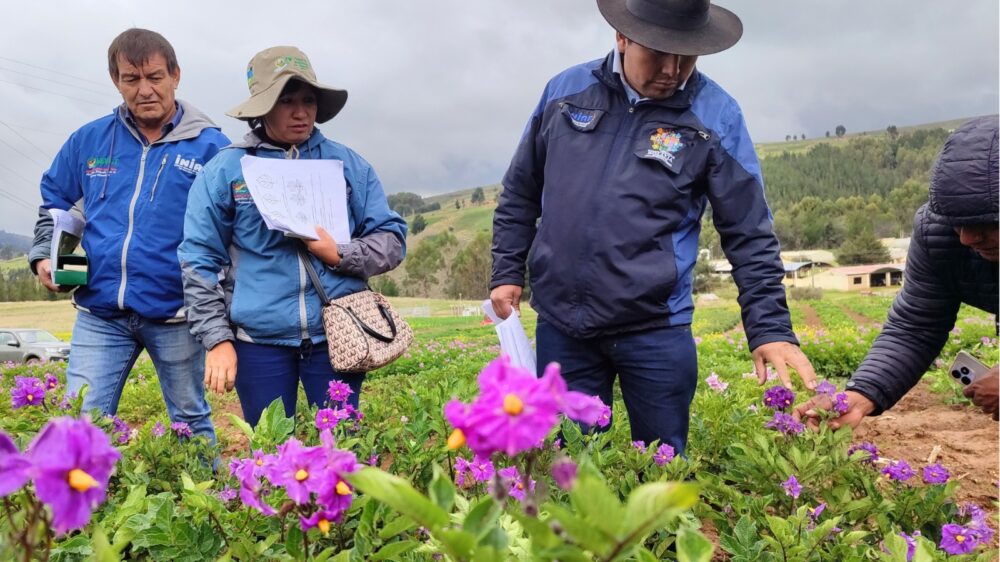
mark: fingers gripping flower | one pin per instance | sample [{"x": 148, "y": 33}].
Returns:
[
  {"x": 72, "y": 462},
  {"x": 14, "y": 467}
]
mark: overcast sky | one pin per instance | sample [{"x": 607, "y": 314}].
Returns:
[{"x": 440, "y": 90}]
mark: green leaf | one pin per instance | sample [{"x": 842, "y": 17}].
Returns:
[
  {"x": 442, "y": 490},
  {"x": 583, "y": 532},
  {"x": 542, "y": 536},
  {"x": 241, "y": 425},
  {"x": 592, "y": 499},
  {"x": 692, "y": 546},
  {"x": 102, "y": 548},
  {"x": 652, "y": 505},
  {"x": 392, "y": 550},
  {"x": 395, "y": 527},
  {"x": 459, "y": 544},
  {"x": 400, "y": 495},
  {"x": 482, "y": 517}
]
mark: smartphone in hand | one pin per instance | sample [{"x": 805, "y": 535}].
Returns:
[{"x": 966, "y": 368}]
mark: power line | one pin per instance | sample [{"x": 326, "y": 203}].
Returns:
[
  {"x": 53, "y": 71},
  {"x": 18, "y": 200},
  {"x": 36, "y": 77},
  {"x": 26, "y": 139},
  {"x": 102, "y": 104},
  {"x": 14, "y": 148},
  {"x": 19, "y": 176}
]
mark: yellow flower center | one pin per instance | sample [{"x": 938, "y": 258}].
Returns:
[
  {"x": 959, "y": 539},
  {"x": 456, "y": 439},
  {"x": 260, "y": 462},
  {"x": 326, "y": 419},
  {"x": 324, "y": 526},
  {"x": 80, "y": 480},
  {"x": 301, "y": 474},
  {"x": 343, "y": 489},
  {"x": 512, "y": 405},
  {"x": 31, "y": 397}
]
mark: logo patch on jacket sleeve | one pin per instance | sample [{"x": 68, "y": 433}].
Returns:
[
  {"x": 241, "y": 193},
  {"x": 664, "y": 146}
]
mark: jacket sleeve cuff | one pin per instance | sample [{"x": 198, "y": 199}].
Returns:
[
  {"x": 216, "y": 336},
  {"x": 870, "y": 392},
  {"x": 519, "y": 281},
  {"x": 760, "y": 340}
]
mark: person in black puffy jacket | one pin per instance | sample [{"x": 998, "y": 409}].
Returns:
[{"x": 952, "y": 260}]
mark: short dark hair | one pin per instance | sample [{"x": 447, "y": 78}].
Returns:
[{"x": 137, "y": 46}]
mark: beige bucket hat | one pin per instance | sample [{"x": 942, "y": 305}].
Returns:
[{"x": 267, "y": 74}]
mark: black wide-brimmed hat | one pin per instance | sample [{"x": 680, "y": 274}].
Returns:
[{"x": 680, "y": 27}]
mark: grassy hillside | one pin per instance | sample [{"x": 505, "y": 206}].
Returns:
[{"x": 768, "y": 149}]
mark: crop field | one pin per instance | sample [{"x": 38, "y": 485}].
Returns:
[{"x": 394, "y": 480}]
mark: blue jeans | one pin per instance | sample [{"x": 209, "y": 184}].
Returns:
[
  {"x": 658, "y": 371},
  {"x": 103, "y": 352},
  {"x": 267, "y": 372}
]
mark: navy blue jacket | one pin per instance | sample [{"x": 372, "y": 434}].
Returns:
[
  {"x": 620, "y": 189},
  {"x": 941, "y": 273}
]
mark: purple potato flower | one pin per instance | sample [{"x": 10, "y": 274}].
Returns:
[
  {"x": 159, "y": 430},
  {"x": 870, "y": 459},
  {"x": 51, "y": 382},
  {"x": 911, "y": 544},
  {"x": 564, "y": 473},
  {"x": 339, "y": 391},
  {"x": 785, "y": 423},
  {"x": 72, "y": 462},
  {"x": 27, "y": 391},
  {"x": 898, "y": 470},
  {"x": 481, "y": 468},
  {"x": 299, "y": 470},
  {"x": 779, "y": 398},
  {"x": 956, "y": 539},
  {"x": 716, "y": 384},
  {"x": 792, "y": 487},
  {"x": 827, "y": 388},
  {"x": 664, "y": 454},
  {"x": 462, "y": 467},
  {"x": 15, "y": 469},
  {"x": 840, "y": 404},
  {"x": 321, "y": 520},
  {"x": 515, "y": 482},
  {"x": 327, "y": 418},
  {"x": 181, "y": 429},
  {"x": 226, "y": 494},
  {"x": 640, "y": 445},
  {"x": 605, "y": 418},
  {"x": 936, "y": 474}
]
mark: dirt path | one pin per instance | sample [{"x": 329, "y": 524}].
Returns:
[
  {"x": 812, "y": 318},
  {"x": 861, "y": 319},
  {"x": 967, "y": 439}
]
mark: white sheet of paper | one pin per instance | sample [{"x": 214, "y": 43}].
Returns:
[
  {"x": 62, "y": 221},
  {"x": 513, "y": 340},
  {"x": 293, "y": 196}
]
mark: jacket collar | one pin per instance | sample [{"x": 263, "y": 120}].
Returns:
[{"x": 681, "y": 99}]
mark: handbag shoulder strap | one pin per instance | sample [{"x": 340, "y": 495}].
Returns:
[{"x": 314, "y": 276}]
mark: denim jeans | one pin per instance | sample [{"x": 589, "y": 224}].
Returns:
[
  {"x": 267, "y": 372},
  {"x": 657, "y": 368},
  {"x": 103, "y": 352}
]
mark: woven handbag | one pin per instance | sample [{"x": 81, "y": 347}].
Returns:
[{"x": 363, "y": 332}]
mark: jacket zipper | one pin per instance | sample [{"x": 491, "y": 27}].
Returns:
[
  {"x": 131, "y": 224},
  {"x": 303, "y": 313},
  {"x": 157, "y": 180}
]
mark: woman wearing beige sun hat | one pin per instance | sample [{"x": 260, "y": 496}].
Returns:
[{"x": 268, "y": 334}]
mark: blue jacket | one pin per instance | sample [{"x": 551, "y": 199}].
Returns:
[
  {"x": 133, "y": 197},
  {"x": 242, "y": 280},
  {"x": 620, "y": 189}
]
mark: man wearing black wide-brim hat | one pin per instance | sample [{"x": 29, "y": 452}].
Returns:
[{"x": 620, "y": 159}]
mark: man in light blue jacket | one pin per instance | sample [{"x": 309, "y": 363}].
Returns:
[{"x": 128, "y": 174}]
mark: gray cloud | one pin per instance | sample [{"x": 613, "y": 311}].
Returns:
[{"x": 440, "y": 91}]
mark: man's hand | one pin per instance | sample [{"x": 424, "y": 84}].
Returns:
[
  {"x": 44, "y": 274},
  {"x": 325, "y": 248},
  {"x": 983, "y": 392},
  {"x": 779, "y": 354},
  {"x": 504, "y": 297},
  {"x": 220, "y": 368},
  {"x": 858, "y": 406}
]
